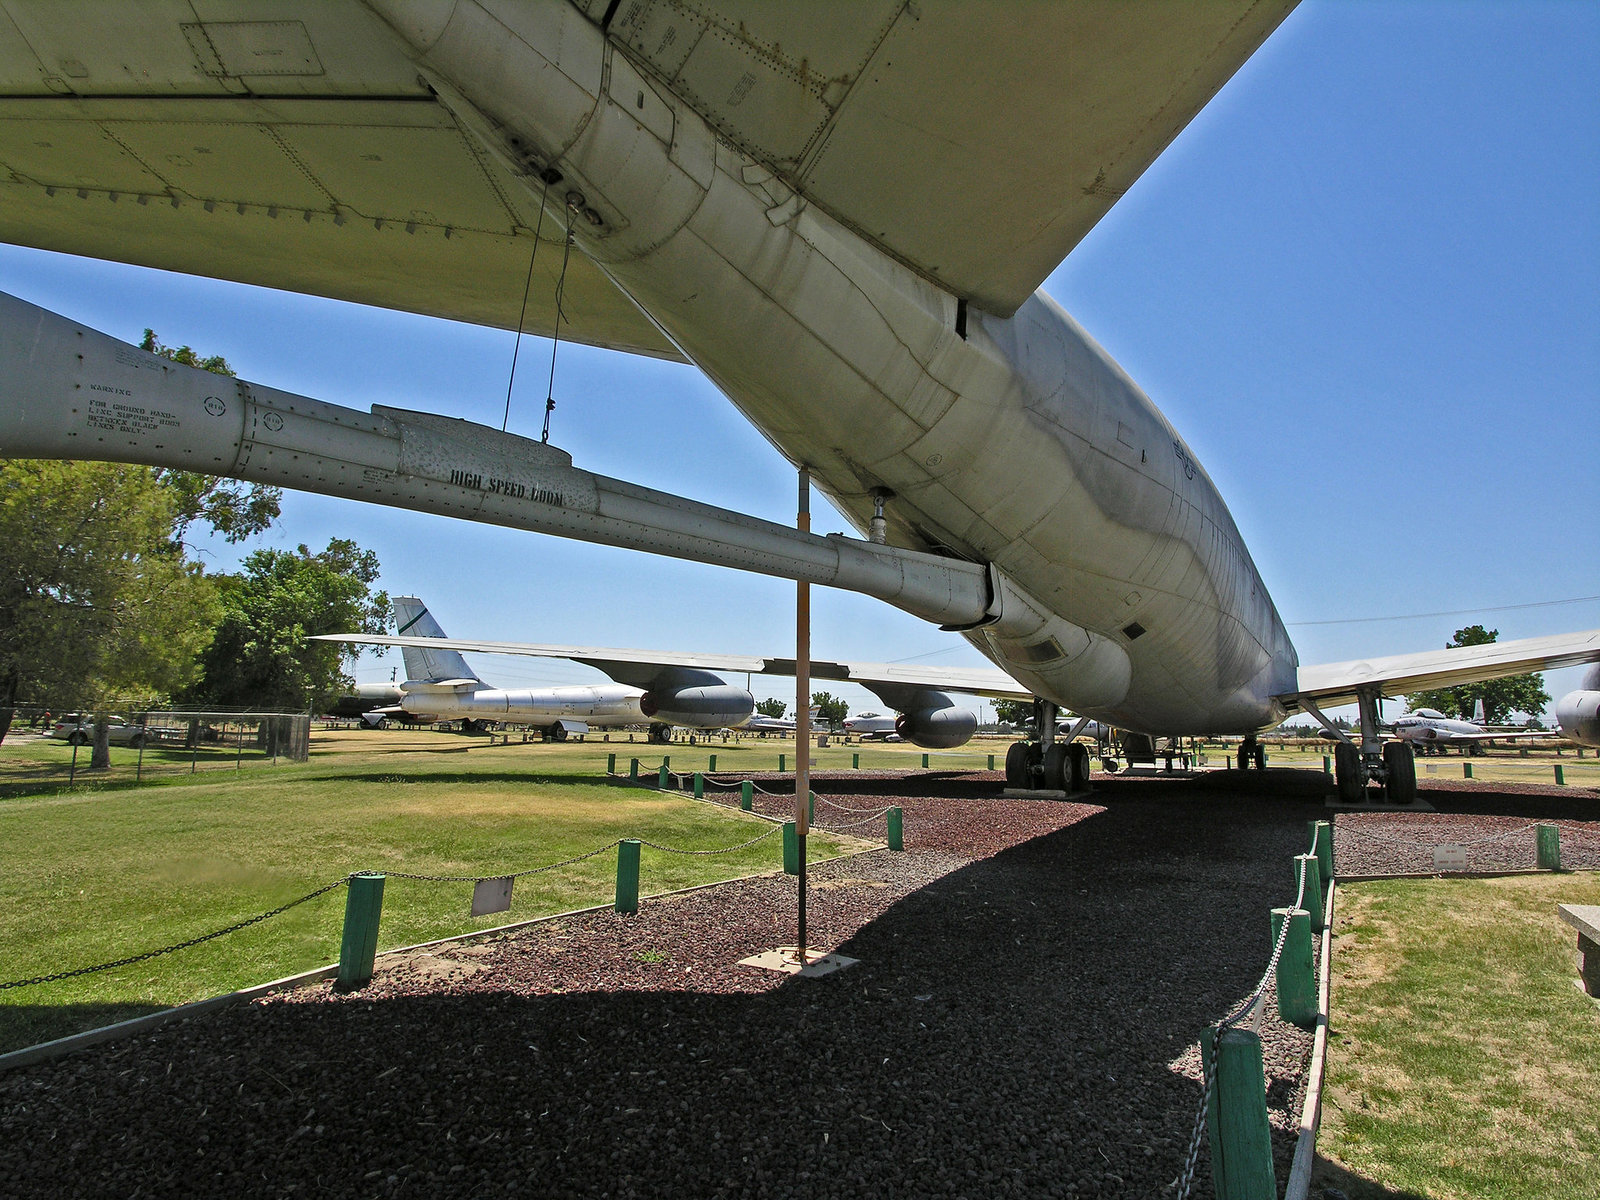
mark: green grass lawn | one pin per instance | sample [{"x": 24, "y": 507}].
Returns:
[
  {"x": 1463, "y": 1062},
  {"x": 107, "y": 870}
]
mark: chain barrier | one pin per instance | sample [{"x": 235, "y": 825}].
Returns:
[
  {"x": 194, "y": 941},
  {"x": 725, "y": 850},
  {"x": 1185, "y": 1181},
  {"x": 852, "y": 824},
  {"x": 842, "y": 808},
  {"x": 566, "y": 862}
]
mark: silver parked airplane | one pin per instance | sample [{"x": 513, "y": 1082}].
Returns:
[
  {"x": 440, "y": 686},
  {"x": 842, "y": 222}
]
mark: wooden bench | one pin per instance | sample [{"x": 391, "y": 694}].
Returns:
[{"x": 1585, "y": 918}]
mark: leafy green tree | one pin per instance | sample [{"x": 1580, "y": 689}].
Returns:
[
  {"x": 830, "y": 710},
  {"x": 1501, "y": 697},
  {"x": 260, "y": 656},
  {"x": 1013, "y": 712},
  {"x": 234, "y": 509},
  {"x": 95, "y": 602},
  {"x": 771, "y": 708}
]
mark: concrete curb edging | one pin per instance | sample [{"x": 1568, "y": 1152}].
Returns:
[
  {"x": 72, "y": 1042},
  {"x": 1305, "y": 1149}
]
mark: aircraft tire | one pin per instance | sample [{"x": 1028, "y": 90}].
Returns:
[
  {"x": 1402, "y": 768},
  {"x": 558, "y": 733},
  {"x": 1016, "y": 764},
  {"x": 1261, "y": 757},
  {"x": 1058, "y": 767},
  {"x": 1347, "y": 773},
  {"x": 1244, "y": 758},
  {"x": 1077, "y": 767}
]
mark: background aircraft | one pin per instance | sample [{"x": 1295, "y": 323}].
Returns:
[
  {"x": 1433, "y": 732},
  {"x": 440, "y": 686},
  {"x": 1109, "y": 575},
  {"x": 1578, "y": 712}
]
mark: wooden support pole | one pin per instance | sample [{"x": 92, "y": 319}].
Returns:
[
  {"x": 611, "y": 763},
  {"x": 1547, "y": 842},
  {"x": 628, "y": 875},
  {"x": 1322, "y": 839},
  {"x": 747, "y": 792},
  {"x": 802, "y": 716},
  {"x": 791, "y": 849},
  {"x": 1313, "y": 889},
  {"x": 1297, "y": 974},
  {"x": 1236, "y": 1120},
  {"x": 358, "y": 948},
  {"x": 897, "y": 839}
]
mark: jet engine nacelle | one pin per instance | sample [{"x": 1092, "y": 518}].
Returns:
[
  {"x": 1578, "y": 714},
  {"x": 937, "y": 728},
  {"x": 703, "y": 706}
]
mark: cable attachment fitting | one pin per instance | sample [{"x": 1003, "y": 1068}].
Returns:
[{"x": 878, "y": 530}]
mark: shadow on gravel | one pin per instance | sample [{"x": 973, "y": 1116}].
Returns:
[{"x": 1010, "y": 1031}]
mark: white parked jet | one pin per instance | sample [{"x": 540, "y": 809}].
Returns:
[
  {"x": 440, "y": 686},
  {"x": 1578, "y": 712},
  {"x": 843, "y": 222},
  {"x": 872, "y": 724},
  {"x": 1432, "y": 731}
]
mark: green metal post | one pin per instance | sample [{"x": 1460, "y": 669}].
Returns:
[
  {"x": 782, "y": 764},
  {"x": 1241, "y": 1140},
  {"x": 1547, "y": 839},
  {"x": 991, "y": 762},
  {"x": 855, "y": 762},
  {"x": 611, "y": 763},
  {"x": 791, "y": 849},
  {"x": 661, "y": 777},
  {"x": 1466, "y": 770},
  {"x": 1313, "y": 895},
  {"x": 1297, "y": 976},
  {"x": 747, "y": 795},
  {"x": 924, "y": 762},
  {"x": 711, "y": 767},
  {"x": 1322, "y": 838},
  {"x": 1561, "y": 776},
  {"x": 896, "y": 830},
  {"x": 666, "y": 760},
  {"x": 699, "y": 786},
  {"x": 363, "y": 909},
  {"x": 628, "y": 875},
  {"x": 1327, "y": 765},
  {"x": 633, "y": 770}
]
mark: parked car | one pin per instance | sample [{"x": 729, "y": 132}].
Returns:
[{"x": 79, "y": 731}]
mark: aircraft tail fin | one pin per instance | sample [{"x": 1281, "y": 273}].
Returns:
[
  {"x": 1477, "y": 713},
  {"x": 424, "y": 664}
]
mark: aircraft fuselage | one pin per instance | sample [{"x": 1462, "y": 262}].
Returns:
[{"x": 1014, "y": 441}]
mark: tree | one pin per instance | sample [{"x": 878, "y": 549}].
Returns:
[
  {"x": 260, "y": 657},
  {"x": 830, "y": 711},
  {"x": 1501, "y": 697},
  {"x": 1013, "y": 712},
  {"x": 771, "y": 708},
  {"x": 95, "y": 602},
  {"x": 233, "y": 509}
]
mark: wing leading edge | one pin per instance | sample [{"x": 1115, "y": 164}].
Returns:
[
  {"x": 626, "y": 665},
  {"x": 1330, "y": 684}
]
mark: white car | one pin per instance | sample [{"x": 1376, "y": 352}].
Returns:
[{"x": 79, "y": 731}]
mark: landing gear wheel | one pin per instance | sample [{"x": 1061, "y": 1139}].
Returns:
[
  {"x": 1245, "y": 758},
  {"x": 1057, "y": 767},
  {"x": 1402, "y": 768},
  {"x": 557, "y": 733},
  {"x": 1108, "y": 765},
  {"x": 1077, "y": 767},
  {"x": 1016, "y": 765},
  {"x": 1261, "y": 758},
  {"x": 1347, "y": 773},
  {"x": 661, "y": 734}
]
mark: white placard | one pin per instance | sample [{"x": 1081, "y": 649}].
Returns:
[
  {"x": 491, "y": 896},
  {"x": 1449, "y": 858}
]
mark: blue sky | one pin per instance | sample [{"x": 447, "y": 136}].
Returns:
[{"x": 1364, "y": 284}]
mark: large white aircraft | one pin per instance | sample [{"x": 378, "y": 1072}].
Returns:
[
  {"x": 842, "y": 219},
  {"x": 440, "y": 686}
]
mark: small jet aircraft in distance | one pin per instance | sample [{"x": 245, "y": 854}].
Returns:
[
  {"x": 868, "y": 725},
  {"x": 1434, "y": 733},
  {"x": 440, "y": 686}
]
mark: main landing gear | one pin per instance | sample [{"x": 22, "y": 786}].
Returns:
[
  {"x": 1392, "y": 766},
  {"x": 1252, "y": 753},
  {"x": 1047, "y": 764}
]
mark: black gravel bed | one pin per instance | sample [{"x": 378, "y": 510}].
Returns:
[{"x": 1032, "y": 981}]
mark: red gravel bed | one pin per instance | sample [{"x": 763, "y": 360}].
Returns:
[{"x": 1032, "y": 980}]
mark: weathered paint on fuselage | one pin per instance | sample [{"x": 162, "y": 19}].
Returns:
[
  {"x": 605, "y": 705},
  {"x": 1020, "y": 444}
]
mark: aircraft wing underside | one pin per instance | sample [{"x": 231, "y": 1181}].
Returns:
[
  {"x": 295, "y": 145},
  {"x": 626, "y": 666},
  {"x": 1330, "y": 684}
]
